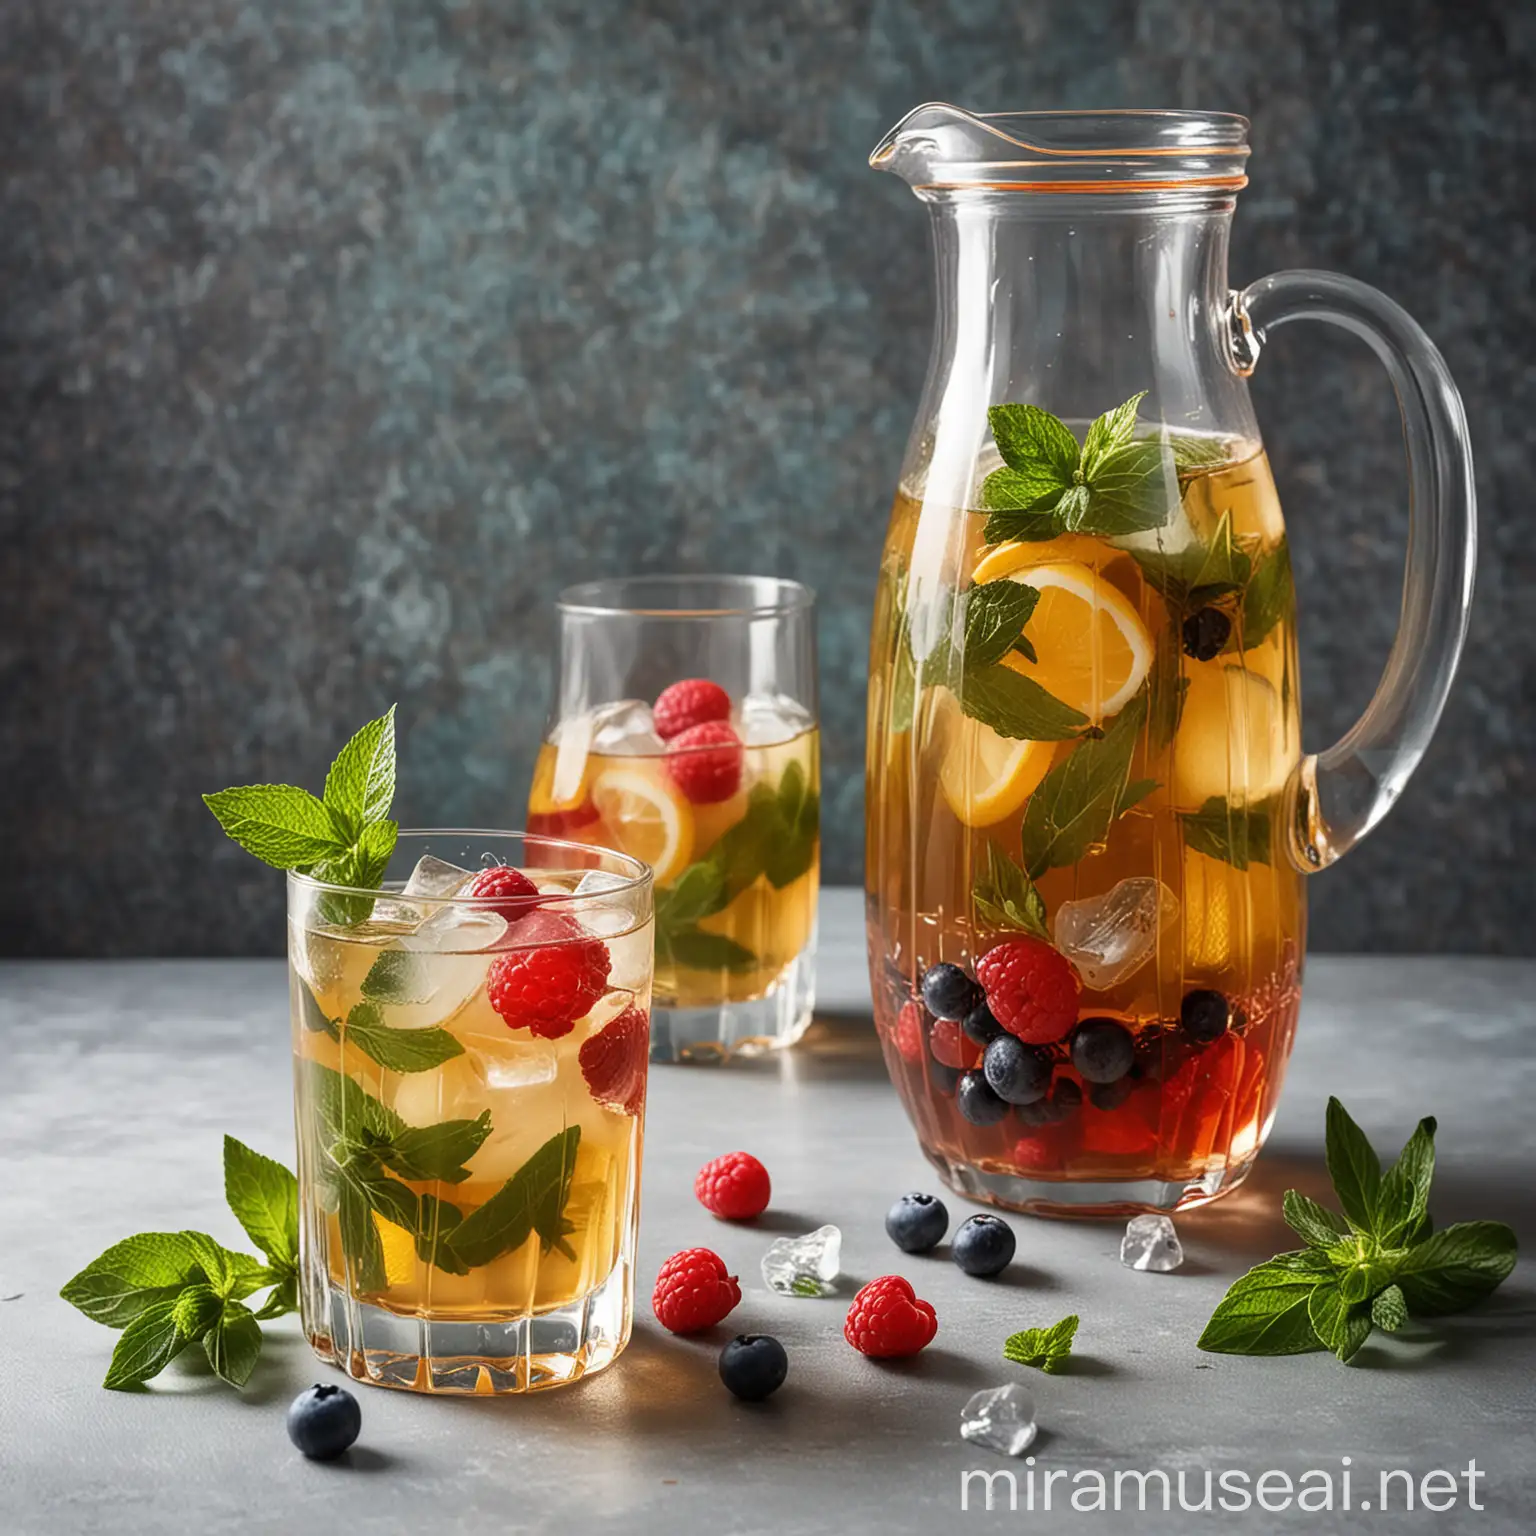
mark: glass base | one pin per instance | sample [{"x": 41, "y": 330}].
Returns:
[
  {"x": 1089, "y": 1197},
  {"x": 711, "y": 1035},
  {"x": 521, "y": 1354}
]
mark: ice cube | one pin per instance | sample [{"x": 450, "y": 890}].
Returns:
[
  {"x": 625, "y": 728},
  {"x": 1150, "y": 1243},
  {"x": 1000, "y": 1418},
  {"x": 519, "y": 1064},
  {"x": 434, "y": 877},
  {"x": 428, "y": 992},
  {"x": 610, "y": 918},
  {"x": 1110, "y": 937},
  {"x": 804, "y": 1266},
  {"x": 765, "y": 719}
]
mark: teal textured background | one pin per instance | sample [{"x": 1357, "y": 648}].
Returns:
[{"x": 335, "y": 338}]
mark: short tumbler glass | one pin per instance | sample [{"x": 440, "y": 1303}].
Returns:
[
  {"x": 684, "y": 732},
  {"x": 469, "y": 1091}
]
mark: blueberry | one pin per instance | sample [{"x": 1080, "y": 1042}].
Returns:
[
  {"x": 1103, "y": 1050},
  {"x": 753, "y": 1366},
  {"x": 323, "y": 1420},
  {"x": 1067, "y": 1096},
  {"x": 1065, "y": 1100},
  {"x": 981, "y": 1026},
  {"x": 949, "y": 992},
  {"x": 943, "y": 1078},
  {"x": 1111, "y": 1095},
  {"x": 1015, "y": 1072},
  {"x": 983, "y": 1245},
  {"x": 1205, "y": 632},
  {"x": 977, "y": 1102},
  {"x": 1204, "y": 1015},
  {"x": 916, "y": 1223}
]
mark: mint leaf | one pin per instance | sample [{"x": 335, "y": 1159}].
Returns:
[
  {"x": 264, "y": 1197},
  {"x": 436, "y": 1152},
  {"x": 1389, "y": 1311},
  {"x": 345, "y": 1111},
  {"x": 1223, "y": 569},
  {"x": 903, "y": 674},
  {"x": 282, "y": 1299},
  {"x": 700, "y": 951},
  {"x": 1266, "y": 1312},
  {"x": 995, "y": 615},
  {"x": 1006, "y": 897},
  {"x": 698, "y": 892},
  {"x": 1047, "y": 1349},
  {"x": 1316, "y": 1223},
  {"x": 1340, "y": 1325},
  {"x": 196, "y": 1310},
  {"x": 283, "y": 826},
  {"x": 1016, "y": 706},
  {"x": 362, "y": 867},
  {"x": 532, "y": 1200},
  {"x": 1109, "y": 432},
  {"x": 1129, "y": 491},
  {"x": 398, "y": 1050},
  {"x": 793, "y": 852},
  {"x": 1233, "y": 834},
  {"x": 1166, "y": 687},
  {"x": 1354, "y": 1168},
  {"x": 148, "y": 1344},
  {"x": 1027, "y": 494},
  {"x": 215, "y": 1261},
  {"x": 132, "y": 1276},
  {"x": 1403, "y": 1198},
  {"x": 1191, "y": 454},
  {"x": 233, "y": 1344},
  {"x": 399, "y": 976},
  {"x": 361, "y": 781},
  {"x": 312, "y": 1013},
  {"x": 1034, "y": 442},
  {"x": 1269, "y": 596},
  {"x": 1077, "y": 801},
  {"x": 1456, "y": 1267},
  {"x": 1019, "y": 526}
]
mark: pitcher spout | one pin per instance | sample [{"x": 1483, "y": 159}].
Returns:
[{"x": 938, "y": 147}]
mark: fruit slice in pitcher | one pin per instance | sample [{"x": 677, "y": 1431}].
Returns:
[
  {"x": 648, "y": 817},
  {"x": 985, "y": 777},
  {"x": 1093, "y": 649}
]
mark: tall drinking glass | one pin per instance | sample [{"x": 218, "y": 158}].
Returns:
[
  {"x": 469, "y": 1090},
  {"x": 684, "y": 732}
]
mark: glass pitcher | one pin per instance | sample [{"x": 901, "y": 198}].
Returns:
[{"x": 1089, "y": 817}]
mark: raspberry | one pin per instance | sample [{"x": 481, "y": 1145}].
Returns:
[
  {"x": 908, "y": 1033},
  {"x": 705, "y": 762},
  {"x": 613, "y": 1061},
  {"x": 693, "y": 1291},
  {"x": 734, "y": 1186},
  {"x": 950, "y": 1046},
  {"x": 886, "y": 1320},
  {"x": 516, "y": 894},
  {"x": 1031, "y": 989},
  {"x": 562, "y": 823},
  {"x": 694, "y": 701},
  {"x": 1036, "y": 1154},
  {"x": 547, "y": 988}
]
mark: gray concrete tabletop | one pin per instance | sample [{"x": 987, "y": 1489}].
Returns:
[{"x": 119, "y": 1079}]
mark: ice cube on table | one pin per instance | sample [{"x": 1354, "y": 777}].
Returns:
[
  {"x": 804, "y": 1266},
  {"x": 1110, "y": 937},
  {"x": 625, "y": 728},
  {"x": 1151, "y": 1243},
  {"x": 765, "y": 719},
  {"x": 1000, "y": 1418}
]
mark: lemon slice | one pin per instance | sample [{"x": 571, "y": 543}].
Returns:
[
  {"x": 1093, "y": 649},
  {"x": 649, "y": 819},
  {"x": 985, "y": 777}
]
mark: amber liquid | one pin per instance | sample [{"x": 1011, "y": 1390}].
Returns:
[
  {"x": 629, "y": 802},
  {"x": 1219, "y": 732}
]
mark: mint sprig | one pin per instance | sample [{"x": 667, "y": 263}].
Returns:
[
  {"x": 169, "y": 1290},
  {"x": 1114, "y": 484},
  {"x": 1046, "y": 1349},
  {"x": 346, "y": 838},
  {"x": 1374, "y": 1266}
]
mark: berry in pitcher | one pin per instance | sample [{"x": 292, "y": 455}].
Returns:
[
  {"x": 977, "y": 1102},
  {"x": 1031, "y": 989},
  {"x": 1016, "y": 1072},
  {"x": 1103, "y": 1050},
  {"x": 949, "y": 992},
  {"x": 1205, "y": 1015},
  {"x": 1205, "y": 633},
  {"x": 705, "y": 762}
]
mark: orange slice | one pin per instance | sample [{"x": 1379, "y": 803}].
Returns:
[
  {"x": 985, "y": 777},
  {"x": 1010, "y": 558},
  {"x": 1093, "y": 649},
  {"x": 648, "y": 817}
]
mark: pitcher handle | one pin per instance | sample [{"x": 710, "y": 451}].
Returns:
[{"x": 1335, "y": 797}]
